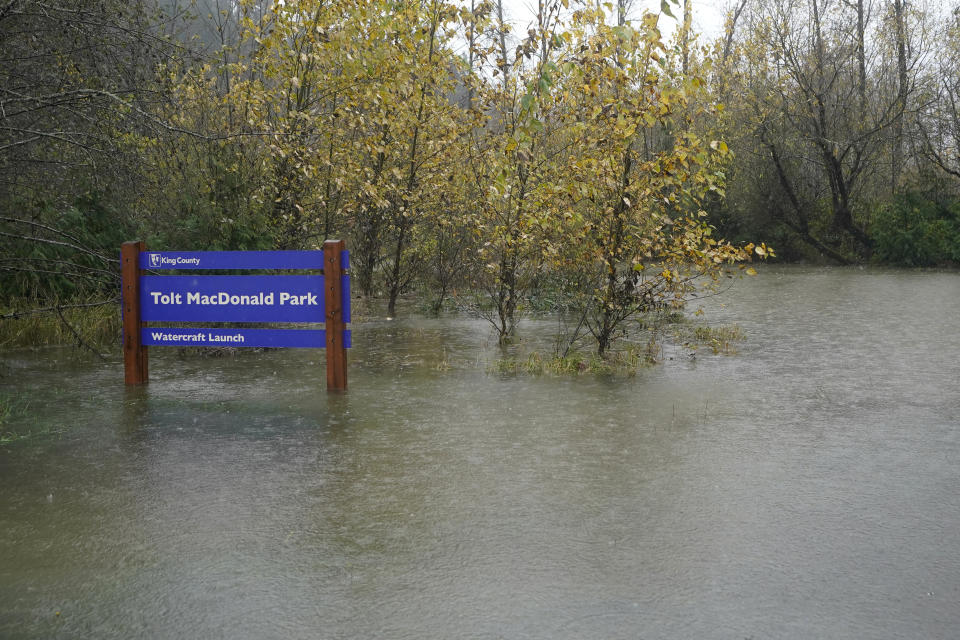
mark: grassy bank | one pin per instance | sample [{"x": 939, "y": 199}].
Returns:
[{"x": 25, "y": 324}]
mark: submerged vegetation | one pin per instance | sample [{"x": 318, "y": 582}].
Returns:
[
  {"x": 586, "y": 164},
  {"x": 720, "y": 340},
  {"x": 17, "y": 423},
  {"x": 644, "y": 348},
  {"x": 94, "y": 327},
  {"x": 619, "y": 362}
]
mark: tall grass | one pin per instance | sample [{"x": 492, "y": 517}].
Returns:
[
  {"x": 720, "y": 340},
  {"x": 620, "y": 362},
  {"x": 95, "y": 327}
]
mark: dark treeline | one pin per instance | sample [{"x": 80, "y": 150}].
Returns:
[
  {"x": 843, "y": 116},
  {"x": 588, "y": 164}
]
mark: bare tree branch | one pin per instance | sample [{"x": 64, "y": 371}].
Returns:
[
  {"x": 58, "y": 243},
  {"x": 59, "y": 232},
  {"x": 76, "y": 334},
  {"x": 53, "y": 309}
]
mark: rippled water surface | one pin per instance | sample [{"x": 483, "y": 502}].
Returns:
[{"x": 808, "y": 487}]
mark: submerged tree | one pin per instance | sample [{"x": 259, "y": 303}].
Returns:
[
  {"x": 634, "y": 237},
  {"x": 513, "y": 165}
]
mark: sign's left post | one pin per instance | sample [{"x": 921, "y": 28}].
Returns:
[{"x": 135, "y": 369}]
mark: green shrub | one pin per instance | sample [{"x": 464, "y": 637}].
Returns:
[
  {"x": 52, "y": 267},
  {"x": 914, "y": 231}
]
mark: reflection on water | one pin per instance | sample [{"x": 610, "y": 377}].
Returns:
[{"x": 804, "y": 488}]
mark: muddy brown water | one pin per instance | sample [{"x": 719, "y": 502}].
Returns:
[{"x": 807, "y": 487}]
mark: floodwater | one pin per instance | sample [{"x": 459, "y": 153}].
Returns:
[{"x": 807, "y": 487}]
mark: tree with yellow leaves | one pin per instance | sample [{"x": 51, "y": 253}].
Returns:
[{"x": 632, "y": 237}]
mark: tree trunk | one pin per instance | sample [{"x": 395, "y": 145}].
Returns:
[
  {"x": 801, "y": 226},
  {"x": 861, "y": 59},
  {"x": 607, "y": 321},
  {"x": 367, "y": 251},
  {"x": 401, "y": 213},
  {"x": 395, "y": 272},
  {"x": 502, "y": 33},
  {"x": 896, "y": 165},
  {"x": 685, "y": 34}
]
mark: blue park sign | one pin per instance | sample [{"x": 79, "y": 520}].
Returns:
[
  {"x": 154, "y": 304},
  {"x": 230, "y": 298}
]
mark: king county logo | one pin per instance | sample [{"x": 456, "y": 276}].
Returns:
[{"x": 154, "y": 259}]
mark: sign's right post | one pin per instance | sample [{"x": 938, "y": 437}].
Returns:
[
  {"x": 335, "y": 325},
  {"x": 135, "y": 367}
]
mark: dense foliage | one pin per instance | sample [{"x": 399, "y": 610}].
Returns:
[
  {"x": 914, "y": 231},
  {"x": 589, "y": 162}
]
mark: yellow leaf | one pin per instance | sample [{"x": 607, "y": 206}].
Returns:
[{"x": 751, "y": 271}]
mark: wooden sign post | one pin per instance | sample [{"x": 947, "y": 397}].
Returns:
[
  {"x": 135, "y": 368},
  {"x": 308, "y": 299},
  {"x": 333, "y": 301}
]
